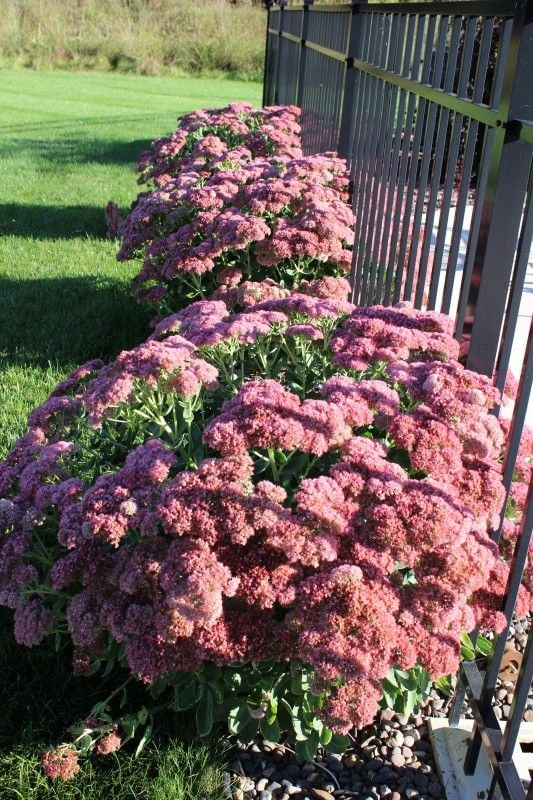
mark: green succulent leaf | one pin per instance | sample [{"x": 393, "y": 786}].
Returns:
[
  {"x": 484, "y": 646},
  {"x": 238, "y": 717},
  {"x": 271, "y": 732},
  {"x": 326, "y": 736},
  {"x": 145, "y": 738},
  {"x": 188, "y": 695},
  {"x": 204, "y": 714}
]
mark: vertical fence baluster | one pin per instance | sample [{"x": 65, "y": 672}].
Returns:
[
  {"x": 402, "y": 150},
  {"x": 303, "y": 56},
  {"x": 351, "y": 82},
  {"x": 435, "y": 188},
  {"x": 380, "y": 172},
  {"x": 375, "y": 122},
  {"x": 424, "y": 152},
  {"x": 459, "y": 129},
  {"x": 360, "y": 158}
]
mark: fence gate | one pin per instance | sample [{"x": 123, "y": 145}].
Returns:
[{"x": 432, "y": 105}]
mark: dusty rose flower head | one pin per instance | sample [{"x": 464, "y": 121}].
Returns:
[
  {"x": 266, "y": 415},
  {"x": 32, "y": 622},
  {"x": 306, "y": 331},
  {"x": 60, "y": 764},
  {"x": 108, "y": 744},
  {"x": 336, "y": 288},
  {"x": 172, "y": 360},
  {"x": 393, "y": 335},
  {"x": 249, "y": 293}
]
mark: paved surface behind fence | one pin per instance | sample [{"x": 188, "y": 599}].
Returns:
[{"x": 526, "y": 306}]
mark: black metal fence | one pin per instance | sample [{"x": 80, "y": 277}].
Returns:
[{"x": 432, "y": 105}]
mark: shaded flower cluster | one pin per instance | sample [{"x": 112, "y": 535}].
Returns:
[{"x": 60, "y": 764}]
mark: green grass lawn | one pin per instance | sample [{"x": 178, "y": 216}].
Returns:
[{"x": 68, "y": 142}]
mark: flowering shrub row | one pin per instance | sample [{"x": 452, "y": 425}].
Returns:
[
  {"x": 235, "y": 204},
  {"x": 277, "y": 497}
]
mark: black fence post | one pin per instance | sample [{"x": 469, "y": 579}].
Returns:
[
  {"x": 303, "y": 54},
  {"x": 273, "y": 37},
  {"x": 264, "y": 101},
  {"x": 351, "y": 79},
  {"x": 277, "y": 78},
  {"x": 494, "y": 256}
]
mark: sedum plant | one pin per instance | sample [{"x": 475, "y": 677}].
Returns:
[
  {"x": 261, "y": 132},
  {"x": 248, "y": 221},
  {"x": 234, "y": 205},
  {"x": 260, "y": 514},
  {"x": 276, "y": 512}
]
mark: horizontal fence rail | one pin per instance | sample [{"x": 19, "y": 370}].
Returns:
[{"x": 431, "y": 103}]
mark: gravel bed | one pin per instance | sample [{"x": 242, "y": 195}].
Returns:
[{"x": 391, "y": 759}]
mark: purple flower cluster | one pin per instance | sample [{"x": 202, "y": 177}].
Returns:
[
  {"x": 226, "y": 214},
  {"x": 173, "y": 361},
  {"x": 265, "y": 496},
  {"x": 207, "y": 137}
]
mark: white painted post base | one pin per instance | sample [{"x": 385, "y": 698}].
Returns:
[{"x": 449, "y": 747}]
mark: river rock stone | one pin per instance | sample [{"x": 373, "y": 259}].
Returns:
[{"x": 322, "y": 794}]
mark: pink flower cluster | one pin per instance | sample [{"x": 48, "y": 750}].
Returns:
[
  {"x": 172, "y": 362},
  {"x": 238, "y": 127},
  {"x": 230, "y": 210},
  {"x": 393, "y": 334},
  {"x": 265, "y": 415},
  {"x": 209, "y": 322},
  {"x": 61, "y": 763},
  {"x": 283, "y": 534},
  {"x": 108, "y": 744}
]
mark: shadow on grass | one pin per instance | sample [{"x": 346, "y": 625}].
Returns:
[
  {"x": 67, "y": 321},
  {"x": 52, "y": 222},
  {"x": 68, "y": 124},
  {"x": 39, "y": 696},
  {"x": 82, "y": 150}
]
